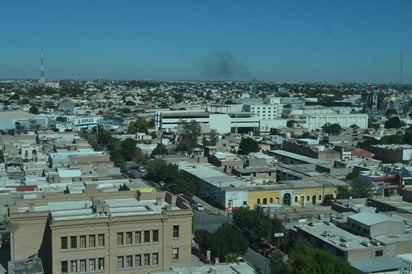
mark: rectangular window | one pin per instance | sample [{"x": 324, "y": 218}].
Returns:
[
  {"x": 119, "y": 238},
  {"x": 147, "y": 236},
  {"x": 129, "y": 261},
  {"x": 92, "y": 241},
  {"x": 378, "y": 253},
  {"x": 155, "y": 235},
  {"x": 82, "y": 265},
  {"x": 146, "y": 259},
  {"x": 320, "y": 197},
  {"x": 129, "y": 237},
  {"x": 155, "y": 258},
  {"x": 100, "y": 239},
  {"x": 175, "y": 231},
  {"x": 120, "y": 263},
  {"x": 92, "y": 264},
  {"x": 64, "y": 242},
  {"x": 101, "y": 263},
  {"x": 73, "y": 266},
  {"x": 137, "y": 237},
  {"x": 175, "y": 253},
  {"x": 65, "y": 267},
  {"x": 82, "y": 241},
  {"x": 138, "y": 260},
  {"x": 73, "y": 242}
]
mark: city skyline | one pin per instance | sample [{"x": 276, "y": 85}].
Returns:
[{"x": 298, "y": 41}]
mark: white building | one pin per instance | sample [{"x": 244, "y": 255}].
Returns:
[
  {"x": 344, "y": 120},
  {"x": 264, "y": 111}
]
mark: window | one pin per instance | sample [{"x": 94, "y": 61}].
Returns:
[
  {"x": 138, "y": 260},
  {"x": 146, "y": 259},
  {"x": 65, "y": 268},
  {"x": 271, "y": 200},
  {"x": 308, "y": 198},
  {"x": 175, "y": 253},
  {"x": 258, "y": 201},
  {"x": 120, "y": 262},
  {"x": 92, "y": 264},
  {"x": 101, "y": 263},
  {"x": 175, "y": 231},
  {"x": 82, "y": 265},
  {"x": 265, "y": 201},
  {"x": 64, "y": 242},
  {"x": 92, "y": 241},
  {"x": 129, "y": 261},
  {"x": 155, "y": 235},
  {"x": 119, "y": 238},
  {"x": 73, "y": 266},
  {"x": 155, "y": 258},
  {"x": 100, "y": 239},
  {"x": 296, "y": 199},
  {"x": 129, "y": 237},
  {"x": 73, "y": 242},
  {"x": 378, "y": 253},
  {"x": 137, "y": 237},
  {"x": 83, "y": 241},
  {"x": 320, "y": 197},
  {"x": 146, "y": 236}
]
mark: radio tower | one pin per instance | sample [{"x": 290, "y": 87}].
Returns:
[{"x": 42, "y": 80}]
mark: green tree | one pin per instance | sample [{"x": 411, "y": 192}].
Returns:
[
  {"x": 391, "y": 112},
  {"x": 140, "y": 125},
  {"x": 360, "y": 188},
  {"x": 248, "y": 145},
  {"x": 34, "y": 110},
  {"x": 332, "y": 128},
  {"x": 224, "y": 243},
  {"x": 407, "y": 137},
  {"x": 129, "y": 149},
  {"x": 1, "y": 156},
  {"x": 188, "y": 134},
  {"x": 177, "y": 181},
  {"x": 394, "y": 122},
  {"x": 211, "y": 139},
  {"x": 159, "y": 150},
  {"x": 305, "y": 259}
]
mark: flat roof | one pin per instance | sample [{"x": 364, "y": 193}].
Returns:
[
  {"x": 83, "y": 209},
  {"x": 297, "y": 157},
  {"x": 243, "y": 268},
  {"x": 369, "y": 219},
  {"x": 380, "y": 264}
]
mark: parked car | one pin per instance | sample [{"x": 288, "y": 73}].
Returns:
[{"x": 199, "y": 207}]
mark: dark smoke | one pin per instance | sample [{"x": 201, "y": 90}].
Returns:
[{"x": 223, "y": 66}]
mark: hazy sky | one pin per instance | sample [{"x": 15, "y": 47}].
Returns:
[{"x": 307, "y": 40}]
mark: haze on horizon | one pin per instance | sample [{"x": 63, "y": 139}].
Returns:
[{"x": 301, "y": 41}]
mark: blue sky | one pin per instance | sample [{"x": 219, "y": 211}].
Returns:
[{"x": 316, "y": 41}]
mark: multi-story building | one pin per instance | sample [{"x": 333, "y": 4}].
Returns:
[
  {"x": 264, "y": 111},
  {"x": 123, "y": 232}
]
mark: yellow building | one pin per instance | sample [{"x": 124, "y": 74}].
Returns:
[{"x": 293, "y": 193}]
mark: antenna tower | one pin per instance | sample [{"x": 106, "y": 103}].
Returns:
[
  {"x": 401, "y": 66},
  {"x": 42, "y": 80}
]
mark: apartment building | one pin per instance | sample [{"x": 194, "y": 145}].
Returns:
[{"x": 123, "y": 232}]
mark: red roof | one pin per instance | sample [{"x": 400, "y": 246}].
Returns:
[{"x": 360, "y": 152}]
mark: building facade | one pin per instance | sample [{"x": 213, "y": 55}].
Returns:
[{"x": 103, "y": 232}]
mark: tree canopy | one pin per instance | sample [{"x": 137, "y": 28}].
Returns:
[
  {"x": 248, "y": 145},
  {"x": 394, "y": 122},
  {"x": 304, "y": 258},
  {"x": 177, "y": 181},
  {"x": 225, "y": 243},
  {"x": 257, "y": 223},
  {"x": 332, "y": 128},
  {"x": 188, "y": 134}
]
